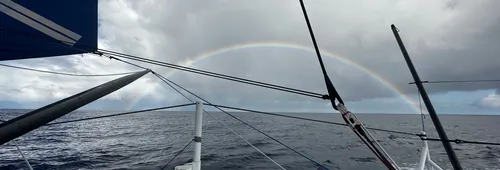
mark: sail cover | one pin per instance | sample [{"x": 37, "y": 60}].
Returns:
[{"x": 35, "y": 28}]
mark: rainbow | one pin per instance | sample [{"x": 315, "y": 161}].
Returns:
[{"x": 340, "y": 58}]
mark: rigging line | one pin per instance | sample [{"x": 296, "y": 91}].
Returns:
[
  {"x": 370, "y": 145},
  {"x": 378, "y": 148},
  {"x": 161, "y": 150},
  {"x": 109, "y": 52},
  {"x": 111, "y": 57},
  {"x": 178, "y": 153},
  {"x": 459, "y": 81},
  {"x": 66, "y": 74},
  {"x": 270, "y": 137},
  {"x": 204, "y": 71},
  {"x": 236, "y": 80},
  {"x": 22, "y": 155},
  {"x": 20, "y": 152},
  {"x": 301, "y": 118},
  {"x": 276, "y": 140},
  {"x": 459, "y": 141},
  {"x": 246, "y": 141},
  {"x": 161, "y": 78},
  {"x": 422, "y": 116},
  {"x": 230, "y": 79},
  {"x": 120, "y": 114}
]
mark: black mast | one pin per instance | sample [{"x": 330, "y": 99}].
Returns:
[
  {"x": 435, "y": 119},
  {"x": 23, "y": 124}
]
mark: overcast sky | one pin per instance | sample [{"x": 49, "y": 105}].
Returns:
[{"x": 267, "y": 40}]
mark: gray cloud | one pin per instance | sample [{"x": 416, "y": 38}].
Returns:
[{"x": 448, "y": 40}]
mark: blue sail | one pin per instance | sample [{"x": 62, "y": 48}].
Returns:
[{"x": 35, "y": 28}]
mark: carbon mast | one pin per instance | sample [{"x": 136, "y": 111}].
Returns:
[
  {"x": 30, "y": 121},
  {"x": 428, "y": 104}
]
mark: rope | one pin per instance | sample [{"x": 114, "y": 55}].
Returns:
[
  {"x": 422, "y": 116},
  {"x": 246, "y": 141},
  {"x": 22, "y": 155},
  {"x": 120, "y": 114},
  {"x": 459, "y": 141},
  {"x": 276, "y": 140},
  {"x": 20, "y": 152},
  {"x": 111, "y": 57},
  {"x": 178, "y": 153},
  {"x": 177, "y": 90},
  {"x": 230, "y": 78},
  {"x": 202, "y": 71},
  {"x": 301, "y": 118},
  {"x": 270, "y": 137},
  {"x": 66, "y": 74}
]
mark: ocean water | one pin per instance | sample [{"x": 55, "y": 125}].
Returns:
[{"x": 149, "y": 140}]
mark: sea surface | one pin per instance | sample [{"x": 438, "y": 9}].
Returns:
[{"x": 149, "y": 140}]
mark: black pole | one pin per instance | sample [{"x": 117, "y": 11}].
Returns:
[
  {"x": 25, "y": 123},
  {"x": 332, "y": 92},
  {"x": 435, "y": 119}
]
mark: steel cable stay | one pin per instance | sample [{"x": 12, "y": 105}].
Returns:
[
  {"x": 246, "y": 141},
  {"x": 309, "y": 94},
  {"x": 19, "y": 150},
  {"x": 126, "y": 62},
  {"x": 457, "y": 141},
  {"x": 178, "y": 153},
  {"x": 22, "y": 155},
  {"x": 204, "y": 72},
  {"x": 422, "y": 115},
  {"x": 270, "y": 137},
  {"x": 308, "y": 119},
  {"x": 161, "y": 150},
  {"x": 211, "y": 74},
  {"x": 220, "y": 122},
  {"x": 460, "y": 141}
]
